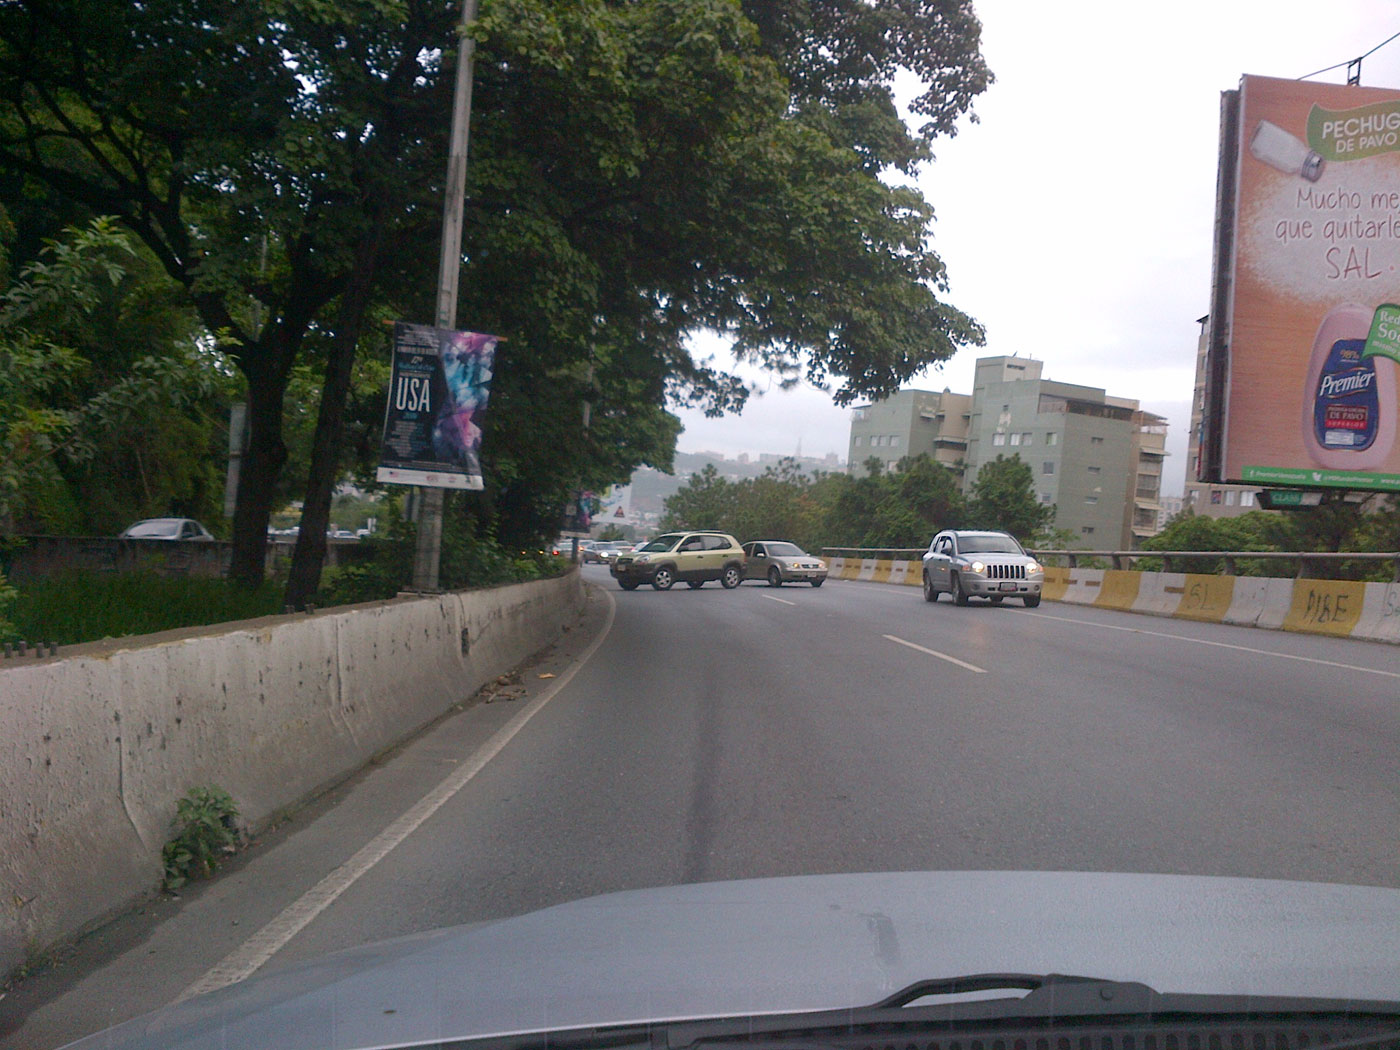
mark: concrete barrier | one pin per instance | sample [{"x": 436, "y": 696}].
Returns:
[
  {"x": 1369, "y": 611},
  {"x": 1118, "y": 589},
  {"x": 97, "y": 746}
]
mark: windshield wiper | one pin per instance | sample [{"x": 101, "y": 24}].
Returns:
[{"x": 1106, "y": 1011}]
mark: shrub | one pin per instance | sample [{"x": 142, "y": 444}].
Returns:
[{"x": 205, "y": 831}]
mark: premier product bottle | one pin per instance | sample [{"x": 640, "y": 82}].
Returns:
[{"x": 1349, "y": 403}]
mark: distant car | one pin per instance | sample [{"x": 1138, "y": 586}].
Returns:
[
  {"x": 692, "y": 557},
  {"x": 166, "y": 529},
  {"x": 780, "y": 562},
  {"x": 608, "y": 551},
  {"x": 989, "y": 565}
]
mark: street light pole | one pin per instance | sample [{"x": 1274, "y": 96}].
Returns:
[{"x": 428, "y": 552}]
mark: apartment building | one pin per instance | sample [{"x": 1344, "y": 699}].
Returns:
[
  {"x": 1213, "y": 501},
  {"x": 1096, "y": 458},
  {"x": 910, "y": 422}
]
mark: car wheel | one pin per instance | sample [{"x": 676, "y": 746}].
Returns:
[
  {"x": 663, "y": 579},
  {"x": 817, "y": 583},
  {"x": 959, "y": 595},
  {"x": 695, "y": 585},
  {"x": 1031, "y": 600},
  {"x": 731, "y": 577},
  {"x": 995, "y": 599},
  {"x": 627, "y": 585},
  {"x": 930, "y": 592},
  {"x": 775, "y": 578}
]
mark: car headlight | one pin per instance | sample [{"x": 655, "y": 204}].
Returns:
[
  {"x": 977, "y": 568},
  {"x": 641, "y": 558},
  {"x": 1035, "y": 569}
]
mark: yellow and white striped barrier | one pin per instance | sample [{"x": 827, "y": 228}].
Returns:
[{"x": 1336, "y": 607}]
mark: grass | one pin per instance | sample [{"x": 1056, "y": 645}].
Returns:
[{"x": 80, "y": 606}]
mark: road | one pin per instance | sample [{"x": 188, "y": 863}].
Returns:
[{"x": 711, "y": 734}]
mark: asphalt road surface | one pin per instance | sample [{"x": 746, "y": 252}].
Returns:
[{"x": 707, "y": 734}]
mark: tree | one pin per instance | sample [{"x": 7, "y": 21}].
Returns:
[
  {"x": 706, "y": 501},
  {"x": 91, "y": 366},
  {"x": 1003, "y": 497},
  {"x": 921, "y": 497},
  {"x": 641, "y": 171}
]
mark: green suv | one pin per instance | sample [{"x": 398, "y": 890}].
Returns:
[{"x": 693, "y": 557}]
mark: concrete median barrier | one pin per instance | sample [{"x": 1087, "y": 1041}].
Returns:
[{"x": 100, "y": 743}]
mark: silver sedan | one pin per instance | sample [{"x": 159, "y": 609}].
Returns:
[{"x": 780, "y": 562}]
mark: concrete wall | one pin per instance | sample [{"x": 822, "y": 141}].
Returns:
[{"x": 97, "y": 746}]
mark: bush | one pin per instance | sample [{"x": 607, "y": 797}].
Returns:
[
  {"x": 84, "y": 606},
  {"x": 205, "y": 831}
]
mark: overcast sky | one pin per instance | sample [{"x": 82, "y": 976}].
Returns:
[{"x": 1075, "y": 216}]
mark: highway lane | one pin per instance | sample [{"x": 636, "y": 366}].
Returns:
[{"x": 717, "y": 734}]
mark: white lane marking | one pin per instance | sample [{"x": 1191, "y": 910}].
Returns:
[
  {"x": 773, "y": 599},
  {"x": 941, "y": 656},
  {"x": 243, "y": 961},
  {"x": 1218, "y": 645}
]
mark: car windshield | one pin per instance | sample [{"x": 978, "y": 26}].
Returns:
[
  {"x": 161, "y": 529},
  {"x": 783, "y": 550},
  {"x": 1061, "y": 341},
  {"x": 988, "y": 545}
]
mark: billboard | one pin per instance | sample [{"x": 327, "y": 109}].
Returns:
[
  {"x": 437, "y": 394},
  {"x": 1306, "y": 364}
]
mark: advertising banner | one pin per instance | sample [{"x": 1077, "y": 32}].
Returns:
[
  {"x": 1314, "y": 326},
  {"x": 437, "y": 394}
]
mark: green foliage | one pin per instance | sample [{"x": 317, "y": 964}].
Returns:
[
  {"x": 639, "y": 172},
  {"x": 384, "y": 563},
  {"x": 205, "y": 831},
  {"x": 8, "y": 597},
  {"x": 102, "y": 391},
  {"x": 82, "y": 606},
  {"x": 1003, "y": 498}
]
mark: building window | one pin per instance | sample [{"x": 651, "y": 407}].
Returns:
[
  {"x": 894, "y": 440},
  {"x": 1047, "y": 467},
  {"x": 1045, "y": 498},
  {"x": 879, "y": 439},
  {"x": 1091, "y": 499},
  {"x": 1215, "y": 497},
  {"x": 1095, "y": 470},
  {"x": 857, "y": 440},
  {"x": 1096, "y": 441},
  {"x": 998, "y": 438},
  {"x": 1015, "y": 439},
  {"x": 1026, "y": 438},
  {"x": 1246, "y": 499},
  {"x": 1052, "y": 438},
  {"x": 1230, "y": 498},
  {"x": 1087, "y": 529}
]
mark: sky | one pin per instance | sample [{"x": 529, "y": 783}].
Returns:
[{"x": 1074, "y": 216}]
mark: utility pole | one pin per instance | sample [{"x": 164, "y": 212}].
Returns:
[{"x": 428, "y": 552}]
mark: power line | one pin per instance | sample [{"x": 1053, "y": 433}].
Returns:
[{"x": 1352, "y": 63}]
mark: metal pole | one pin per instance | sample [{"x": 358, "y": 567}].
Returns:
[{"x": 429, "y": 548}]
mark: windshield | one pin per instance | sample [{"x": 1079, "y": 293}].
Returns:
[
  {"x": 988, "y": 545},
  {"x": 1061, "y": 342},
  {"x": 661, "y": 543},
  {"x": 161, "y": 529},
  {"x": 784, "y": 550}
]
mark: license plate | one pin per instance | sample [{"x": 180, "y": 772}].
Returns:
[{"x": 1008, "y": 587}]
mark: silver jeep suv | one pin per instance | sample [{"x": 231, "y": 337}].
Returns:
[{"x": 988, "y": 565}]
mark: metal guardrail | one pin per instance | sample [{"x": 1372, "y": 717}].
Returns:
[{"x": 1307, "y": 564}]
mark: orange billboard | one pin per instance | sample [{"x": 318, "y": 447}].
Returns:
[{"x": 1312, "y": 341}]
